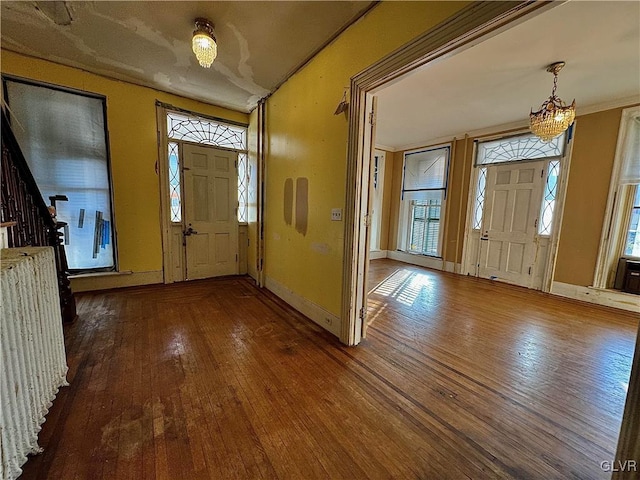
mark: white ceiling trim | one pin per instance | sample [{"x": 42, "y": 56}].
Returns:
[
  {"x": 387, "y": 148},
  {"x": 601, "y": 107},
  {"x": 521, "y": 124}
]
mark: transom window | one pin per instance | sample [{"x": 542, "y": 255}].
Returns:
[
  {"x": 518, "y": 148},
  {"x": 424, "y": 188},
  {"x": 182, "y": 127}
]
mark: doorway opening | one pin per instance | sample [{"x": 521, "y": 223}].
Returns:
[{"x": 470, "y": 27}]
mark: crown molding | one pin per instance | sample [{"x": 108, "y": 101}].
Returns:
[
  {"x": 386, "y": 148},
  {"x": 522, "y": 124}
]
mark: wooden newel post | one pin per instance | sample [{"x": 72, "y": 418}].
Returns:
[{"x": 67, "y": 300}]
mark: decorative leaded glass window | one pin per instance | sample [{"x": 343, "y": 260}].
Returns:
[
  {"x": 243, "y": 187},
  {"x": 174, "y": 183},
  {"x": 518, "y": 148},
  {"x": 549, "y": 198},
  {"x": 208, "y": 132},
  {"x": 188, "y": 128},
  {"x": 479, "y": 200}
]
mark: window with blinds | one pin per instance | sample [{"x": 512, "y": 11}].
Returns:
[
  {"x": 424, "y": 188},
  {"x": 62, "y": 135}
]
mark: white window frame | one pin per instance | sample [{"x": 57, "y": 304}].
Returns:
[
  {"x": 404, "y": 222},
  {"x": 618, "y": 210}
]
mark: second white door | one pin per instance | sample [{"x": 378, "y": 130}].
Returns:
[
  {"x": 211, "y": 201},
  {"x": 508, "y": 242}
]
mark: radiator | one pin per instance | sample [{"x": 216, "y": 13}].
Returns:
[{"x": 33, "y": 363}]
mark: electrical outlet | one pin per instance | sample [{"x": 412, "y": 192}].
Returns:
[{"x": 336, "y": 214}]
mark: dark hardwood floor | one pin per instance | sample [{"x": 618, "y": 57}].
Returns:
[{"x": 458, "y": 378}]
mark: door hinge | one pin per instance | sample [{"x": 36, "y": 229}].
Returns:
[
  {"x": 371, "y": 118},
  {"x": 529, "y": 270},
  {"x": 535, "y": 224},
  {"x": 363, "y": 313}
]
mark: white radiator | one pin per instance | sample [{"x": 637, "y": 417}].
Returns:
[{"x": 33, "y": 363}]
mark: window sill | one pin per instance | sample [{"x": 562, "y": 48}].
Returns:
[
  {"x": 418, "y": 254},
  {"x": 100, "y": 274}
]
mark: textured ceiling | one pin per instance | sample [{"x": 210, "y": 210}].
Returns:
[
  {"x": 497, "y": 81},
  {"x": 149, "y": 43}
]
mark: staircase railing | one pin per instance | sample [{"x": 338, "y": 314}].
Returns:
[{"x": 23, "y": 204}]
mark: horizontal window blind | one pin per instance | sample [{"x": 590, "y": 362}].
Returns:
[{"x": 62, "y": 136}]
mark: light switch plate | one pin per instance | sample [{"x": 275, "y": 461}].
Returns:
[{"x": 336, "y": 214}]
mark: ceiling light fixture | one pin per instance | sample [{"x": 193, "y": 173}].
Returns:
[
  {"x": 204, "y": 42},
  {"x": 554, "y": 116}
]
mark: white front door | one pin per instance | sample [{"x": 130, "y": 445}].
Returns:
[
  {"x": 211, "y": 201},
  {"x": 508, "y": 241}
]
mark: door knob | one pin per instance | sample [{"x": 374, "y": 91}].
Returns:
[{"x": 189, "y": 231}]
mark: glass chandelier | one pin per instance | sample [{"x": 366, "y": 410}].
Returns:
[
  {"x": 204, "y": 42},
  {"x": 554, "y": 116}
]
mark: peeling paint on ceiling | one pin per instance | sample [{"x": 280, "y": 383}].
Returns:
[{"x": 149, "y": 43}]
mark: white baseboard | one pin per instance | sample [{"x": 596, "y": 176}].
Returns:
[
  {"x": 419, "y": 260},
  {"x": 452, "y": 267},
  {"x": 107, "y": 280},
  {"x": 609, "y": 298},
  {"x": 319, "y": 315},
  {"x": 377, "y": 254}
]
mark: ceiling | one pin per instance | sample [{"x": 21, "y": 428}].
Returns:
[
  {"x": 496, "y": 82},
  {"x": 149, "y": 43}
]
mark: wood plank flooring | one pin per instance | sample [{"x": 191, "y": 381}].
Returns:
[{"x": 458, "y": 378}]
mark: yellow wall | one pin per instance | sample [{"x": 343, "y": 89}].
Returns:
[
  {"x": 305, "y": 140},
  {"x": 587, "y": 191},
  {"x": 131, "y": 119}
]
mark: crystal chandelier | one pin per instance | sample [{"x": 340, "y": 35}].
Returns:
[
  {"x": 554, "y": 116},
  {"x": 204, "y": 42}
]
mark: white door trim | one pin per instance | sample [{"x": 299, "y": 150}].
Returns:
[
  {"x": 378, "y": 201},
  {"x": 162, "y": 167}
]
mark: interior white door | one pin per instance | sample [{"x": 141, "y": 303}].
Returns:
[
  {"x": 377, "y": 181},
  {"x": 512, "y": 205},
  {"x": 365, "y": 212},
  {"x": 211, "y": 201}
]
